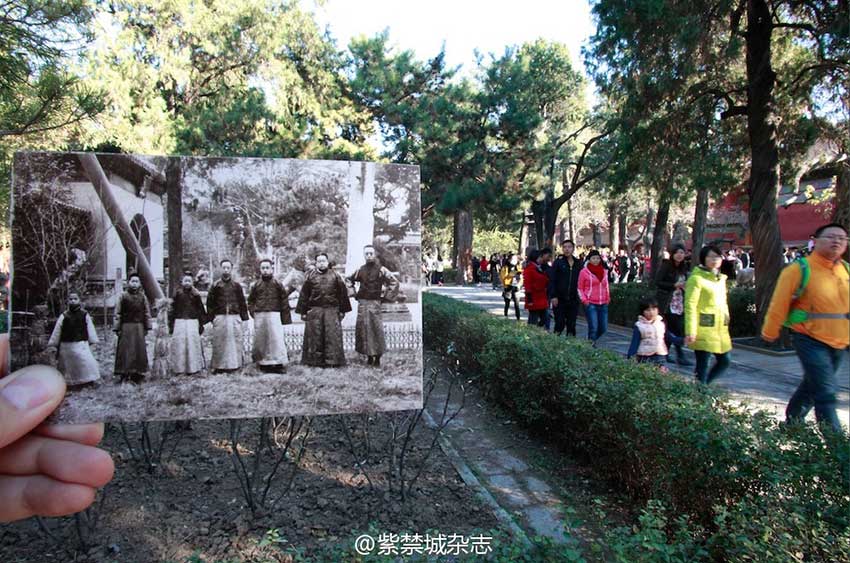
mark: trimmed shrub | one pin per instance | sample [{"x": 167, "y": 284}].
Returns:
[
  {"x": 741, "y": 486},
  {"x": 626, "y": 296}
]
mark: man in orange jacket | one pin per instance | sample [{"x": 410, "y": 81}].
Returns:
[{"x": 819, "y": 318}]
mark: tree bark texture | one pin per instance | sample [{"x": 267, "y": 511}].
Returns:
[
  {"x": 535, "y": 234},
  {"x": 647, "y": 232},
  {"x": 463, "y": 245},
  {"x": 700, "y": 220},
  {"x": 174, "y": 211},
  {"x": 764, "y": 171},
  {"x": 623, "y": 232},
  {"x": 545, "y": 218},
  {"x": 597, "y": 236},
  {"x": 562, "y": 232},
  {"x": 658, "y": 233},
  {"x": 523, "y": 236},
  {"x": 570, "y": 220},
  {"x": 613, "y": 233}
]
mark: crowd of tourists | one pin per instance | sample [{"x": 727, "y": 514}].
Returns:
[{"x": 688, "y": 306}]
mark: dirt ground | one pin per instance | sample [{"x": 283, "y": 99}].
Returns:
[
  {"x": 192, "y": 503},
  {"x": 249, "y": 393}
]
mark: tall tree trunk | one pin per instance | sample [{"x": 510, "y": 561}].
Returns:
[
  {"x": 658, "y": 233},
  {"x": 550, "y": 217},
  {"x": 174, "y": 206},
  {"x": 764, "y": 170},
  {"x": 647, "y": 229},
  {"x": 700, "y": 219},
  {"x": 597, "y": 237},
  {"x": 562, "y": 232},
  {"x": 535, "y": 237},
  {"x": 842, "y": 200},
  {"x": 463, "y": 245},
  {"x": 622, "y": 230},
  {"x": 523, "y": 234},
  {"x": 570, "y": 219},
  {"x": 613, "y": 233}
]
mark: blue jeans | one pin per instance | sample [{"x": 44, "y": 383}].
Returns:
[
  {"x": 820, "y": 384},
  {"x": 597, "y": 320},
  {"x": 702, "y": 373}
]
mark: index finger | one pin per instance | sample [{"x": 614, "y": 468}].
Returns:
[{"x": 88, "y": 434}]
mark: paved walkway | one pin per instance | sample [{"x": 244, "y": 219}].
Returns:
[
  {"x": 493, "y": 458},
  {"x": 756, "y": 379}
]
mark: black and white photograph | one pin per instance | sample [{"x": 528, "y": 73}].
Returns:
[{"x": 170, "y": 288}]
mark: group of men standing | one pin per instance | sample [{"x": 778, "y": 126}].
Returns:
[{"x": 322, "y": 303}]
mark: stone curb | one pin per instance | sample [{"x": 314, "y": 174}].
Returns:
[{"x": 472, "y": 481}]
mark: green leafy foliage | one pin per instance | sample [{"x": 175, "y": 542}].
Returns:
[
  {"x": 704, "y": 468},
  {"x": 625, "y": 299}
]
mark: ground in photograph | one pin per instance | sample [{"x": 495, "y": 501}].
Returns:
[{"x": 248, "y": 393}]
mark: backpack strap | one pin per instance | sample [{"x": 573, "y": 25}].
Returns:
[
  {"x": 796, "y": 315},
  {"x": 806, "y": 274}
]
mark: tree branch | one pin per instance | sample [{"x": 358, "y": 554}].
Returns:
[
  {"x": 733, "y": 111},
  {"x": 827, "y": 64},
  {"x": 801, "y": 26}
]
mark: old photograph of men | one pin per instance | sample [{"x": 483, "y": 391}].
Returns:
[{"x": 185, "y": 287}]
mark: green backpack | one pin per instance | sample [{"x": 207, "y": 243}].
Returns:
[{"x": 796, "y": 316}]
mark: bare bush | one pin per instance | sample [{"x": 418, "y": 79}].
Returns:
[
  {"x": 258, "y": 466},
  {"x": 396, "y": 460}
]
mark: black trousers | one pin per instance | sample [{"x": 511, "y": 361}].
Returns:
[
  {"x": 565, "y": 316},
  {"x": 512, "y": 297}
]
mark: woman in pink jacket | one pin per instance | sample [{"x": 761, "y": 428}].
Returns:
[{"x": 594, "y": 294}]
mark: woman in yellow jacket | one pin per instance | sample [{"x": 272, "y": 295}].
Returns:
[
  {"x": 511, "y": 278},
  {"x": 707, "y": 315}
]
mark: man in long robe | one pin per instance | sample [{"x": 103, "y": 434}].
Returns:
[
  {"x": 268, "y": 303},
  {"x": 226, "y": 308},
  {"x": 186, "y": 318},
  {"x": 377, "y": 284},
  {"x": 72, "y": 337},
  {"x": 131, "y": 322},
  {"x": 322, "y": 304}
]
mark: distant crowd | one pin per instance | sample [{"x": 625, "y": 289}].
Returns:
[{"x": 688, "y": 306}]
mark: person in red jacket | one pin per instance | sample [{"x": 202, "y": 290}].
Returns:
[
  {"x": 536, "y": 284},
  {"x": 595, "y": 295}
]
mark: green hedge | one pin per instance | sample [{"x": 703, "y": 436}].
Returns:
[
  {"x": 737, "y": 485},
  {"x": 626, "y": 296}
]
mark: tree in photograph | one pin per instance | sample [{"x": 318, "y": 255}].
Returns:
[
  {"x": 267, "y": 210},
  {"x": 51, "y": 236}
]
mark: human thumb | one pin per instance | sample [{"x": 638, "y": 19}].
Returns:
[{"x": 27, "y": 397}]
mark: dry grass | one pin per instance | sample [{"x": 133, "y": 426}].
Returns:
[{"x": 301, "y": 390}]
